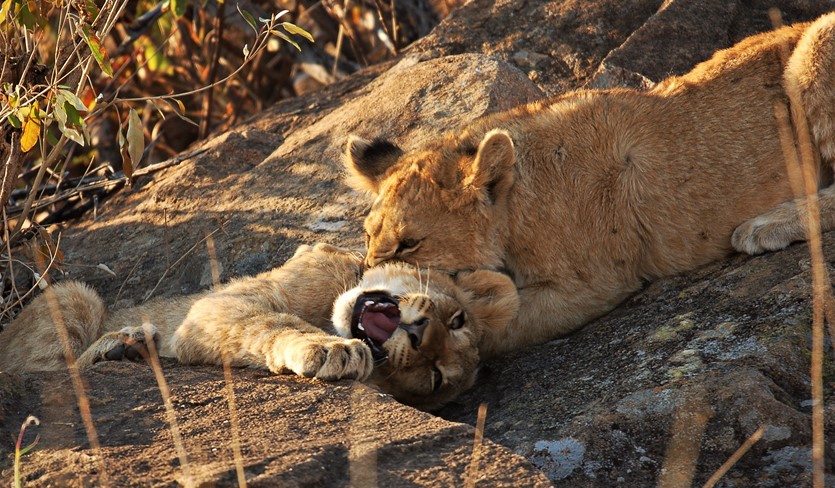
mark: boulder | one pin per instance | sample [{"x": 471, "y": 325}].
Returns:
[{"x": 289, "y": 432}]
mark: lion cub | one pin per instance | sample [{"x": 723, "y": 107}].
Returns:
[
  {"x": 412, "y": 334},
  {"x": 585, "y": 197}
]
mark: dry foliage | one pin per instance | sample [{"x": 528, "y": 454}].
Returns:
[{"x": 93, "y": 91}]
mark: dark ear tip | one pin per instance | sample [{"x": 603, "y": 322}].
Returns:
[
  {"x": 356, "y": 146},
  {"x": 363, "y": 151}
]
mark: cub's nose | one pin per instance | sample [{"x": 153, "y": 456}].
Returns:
[
  {"x": 372, "y": 260},
  {"x": 415, "y": 331}
]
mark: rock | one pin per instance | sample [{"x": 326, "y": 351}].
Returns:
[
  {"x": 683, "y": 33},
  {"x": 276, "y": 182},
  {"x": 671, "y": 383},
  {"x": 293, "y": 432}
]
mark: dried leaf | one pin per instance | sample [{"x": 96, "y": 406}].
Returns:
[
  {"x": 284, "y": 36},
  {"x": 5, "y": 9},
  {"x": 294, "y": 29},
  {"x": 123, "y": 148},
  {"x": 31, "y": 132},
  {"x": 97, "y": 49},
  {"x": 180, "y": 113},
  {"x": 104, "y": 268},
  {"x": 158, "y": 107},
  {"x": 42, "y": 284},
  {"x": 136, "y": 142}
]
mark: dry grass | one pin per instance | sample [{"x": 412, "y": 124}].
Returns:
[
  {"x": 227, "y": 376},
  {"x": 802, "y": 166},
  {"x": 734, "y": 458},
  {"x": 471, "y": 475},
  {"x": 801, "y": 159},
  {"x": 77, "y": 383}
]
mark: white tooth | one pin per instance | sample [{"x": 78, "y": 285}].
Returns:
[
  {"x": 360, "y": 327},
  {"x": 368, "y": 303}
]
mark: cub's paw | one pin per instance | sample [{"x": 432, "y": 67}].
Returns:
[
  {"x": 770, "y": 232},
  {"x": 129, "y": 343},
  {"x": 330, "y": 358}
]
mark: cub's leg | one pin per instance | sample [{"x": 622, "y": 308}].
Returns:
[
  {"x": 777, "y": 228},
  {"x": 278, "y": 342},
  {"x": 811, "y": 68},
  {"x": 128, "y": 343},
  {"x": 31, "y": 342}
]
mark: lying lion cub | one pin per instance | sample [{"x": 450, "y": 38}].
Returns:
[
  {"x": 413, "y": 334},
  {"x": 585, "y": 197}
]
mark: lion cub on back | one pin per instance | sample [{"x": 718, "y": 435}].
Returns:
[
  {"x": 413, "y": 334},
  {"x": 584, "y": 197}
]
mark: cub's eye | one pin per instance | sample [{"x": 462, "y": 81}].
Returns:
[
  {"x": 457, "y": 320},
  {"x": 437, "y": 379},
  {"x": 407, "y": 246}
]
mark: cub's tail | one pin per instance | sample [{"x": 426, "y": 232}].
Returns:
[{"x": 32, "y": 341}]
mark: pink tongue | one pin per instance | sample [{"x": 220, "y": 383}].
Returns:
[{"x": 379, "y": 326}]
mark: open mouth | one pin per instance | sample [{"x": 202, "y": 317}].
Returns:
[{"x": 376, "y": 316}]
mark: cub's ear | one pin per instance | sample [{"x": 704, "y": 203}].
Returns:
[
  {"x": 495, "y": 299},
  {"x": 491, "y": 170},
  {"x": 367, "y": 162}
]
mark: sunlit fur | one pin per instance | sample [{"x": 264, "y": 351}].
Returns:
[
  {"x": 585, "y": 197},
  {"x": 279, "y": 320},
  {"x": 487, "y": 299}
]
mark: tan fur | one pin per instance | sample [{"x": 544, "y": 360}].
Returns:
[
  {"x": 279, "y": 320},
  {"x": 584, "y": 197}
]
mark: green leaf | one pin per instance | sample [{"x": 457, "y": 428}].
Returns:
[
  {"x": 248, "y": 18},
  {"x": 58, "y": 111},
  {"x": 73, "y": 116},
  {"x": 283, "y": 36},
  {"x": 74, "y": 100},
  {"x": 70, "y": 122},
  {"x": 92, "y": 9},
  {"x": 294, "y": 29},
  {"x": 26, "y": 16},
  {"x": 136, "y": 142},
  {"x": 30, "y": 446},
  {"x": 16, "y": 123},
  {"x": 178, "y": 7},
  {"x": 97, "y": 49},
  {"x": 50, "y": 138}
]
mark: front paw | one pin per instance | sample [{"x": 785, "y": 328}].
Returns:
[
  {"x": 130, "y": 343},
  {"x": 330, "y": 359},
  {"x": 762, "y": 234}
]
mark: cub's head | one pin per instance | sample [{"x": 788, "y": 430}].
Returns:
[
  {"x": 424, "y": 328},
  {"x": 443, "y": 207}
]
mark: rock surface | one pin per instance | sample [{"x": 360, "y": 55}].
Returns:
[
  {"x": 292, "y": 433},
  {"x": 661, "y": 390}
]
